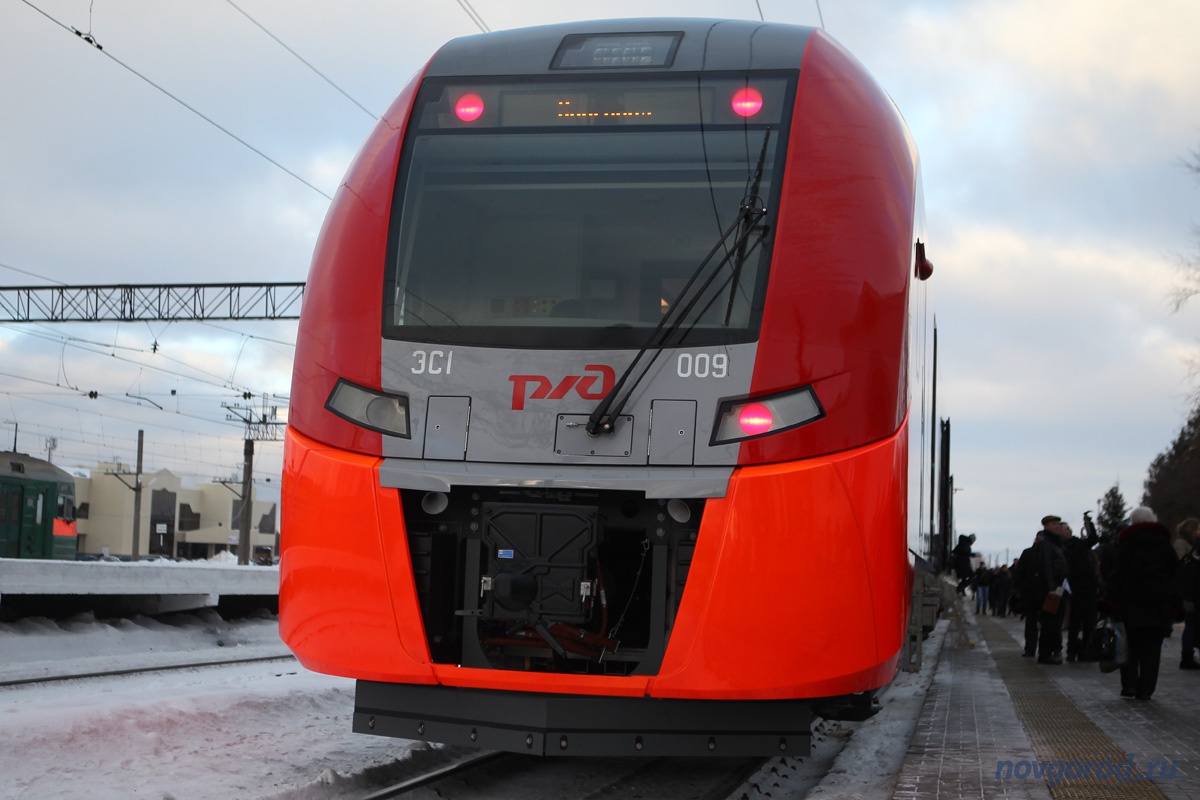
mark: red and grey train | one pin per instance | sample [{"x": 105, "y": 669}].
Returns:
[{"x": 599, "y": 437}]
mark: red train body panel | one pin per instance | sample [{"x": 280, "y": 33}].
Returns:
[{"x": 489, "y": 550}]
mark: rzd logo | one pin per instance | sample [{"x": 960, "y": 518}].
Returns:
[{"x": 544, "y": 389}]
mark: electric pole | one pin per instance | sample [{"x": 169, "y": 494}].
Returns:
[
  {"x": 263, "y": 426},
  {"x": 137, "y": 498},
  {"x": 247, "y": 503}
]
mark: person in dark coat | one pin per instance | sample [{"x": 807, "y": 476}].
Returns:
[
  {"x": 1021, "y": 570},
  {"x": 1084, "y": 578},
  {"x": 962, "y": 562},
  {"x": 983, "y": 583},
  {"x": 1001, "y": 590},
  {"x": 1043, "y": 570},
  {"x": 1184, "y": 543},
  {"x": 1141, "y": 591}
]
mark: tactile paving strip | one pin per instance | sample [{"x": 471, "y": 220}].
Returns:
[{"x": 1077, "y": 758}]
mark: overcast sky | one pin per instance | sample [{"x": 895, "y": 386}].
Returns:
[{"x": 1053, "y": 136}]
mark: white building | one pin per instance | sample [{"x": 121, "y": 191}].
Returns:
[{"x": 175, "y": 522}]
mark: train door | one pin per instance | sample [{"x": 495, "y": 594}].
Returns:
[
  {"x": 38, "y": 527},
  {"x": 11, "y": 502},
  {"x": 34, "y": 521}
]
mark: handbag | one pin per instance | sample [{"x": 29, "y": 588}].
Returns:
[
  {"x": 1102, "y": 646},
  {"x": 1052, "y": 602},
  {"x": 1114, "y": 645}
]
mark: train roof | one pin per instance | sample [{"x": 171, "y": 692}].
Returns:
[
  {"x": 21, "y": 465},
  {"x": 703, "y": 45}
]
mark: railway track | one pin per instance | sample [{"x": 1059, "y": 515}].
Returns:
[
  {"x": 482, "y": 774},
  {"x": 71, "y": 676}
]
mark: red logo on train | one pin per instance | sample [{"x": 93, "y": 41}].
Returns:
[{"x": 545, "y": 389}]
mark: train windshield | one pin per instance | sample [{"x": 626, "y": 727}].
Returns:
[{"x": 575, "y": 214}]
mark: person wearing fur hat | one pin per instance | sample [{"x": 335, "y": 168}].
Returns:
[{"x": 1141, "y": 591}]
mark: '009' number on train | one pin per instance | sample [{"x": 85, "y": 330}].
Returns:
[{"x": 702, "y": 365}]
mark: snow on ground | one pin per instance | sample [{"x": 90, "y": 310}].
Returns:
[
  {"x": 252, "y": 731},
  {"x": 275, "y": 730},
  {"x": 36, "y": 647}
]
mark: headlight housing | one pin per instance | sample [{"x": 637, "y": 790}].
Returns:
[
  {"x": 370, "y": 408},
  {"x": 752, "y": 418}
]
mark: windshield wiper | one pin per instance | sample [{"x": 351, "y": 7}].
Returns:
[
  {"x": 750, "y": 213},
  {"x": 602, "y": 420},
  {"x": 741, "y": 252}
]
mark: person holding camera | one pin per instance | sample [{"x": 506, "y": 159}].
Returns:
[{"x": 1084, "y": 579}]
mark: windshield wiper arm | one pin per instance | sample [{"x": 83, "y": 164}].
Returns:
[
  {"x": 741, "y": 251},
  {"x": 603, "y": 418}
]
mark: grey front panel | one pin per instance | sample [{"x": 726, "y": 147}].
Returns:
[
  {"x": 446, "y": 428},
  {"x": 672, "y": 431},
  {"x": 524, "y": 404},
  {"x": 654, "y": 482},
  {"x": 572, "y": 438}
]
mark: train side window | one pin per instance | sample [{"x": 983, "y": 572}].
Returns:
[
  {"x": 65, "y": 509},
  {"x": 41, "y": 501}
]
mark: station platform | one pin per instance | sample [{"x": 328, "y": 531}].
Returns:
[
  {"x": 148, "y": 587},
  {"x": 997, "y": 725}
]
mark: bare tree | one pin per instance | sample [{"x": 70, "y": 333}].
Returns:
[{"x": 1189, "y": 265}]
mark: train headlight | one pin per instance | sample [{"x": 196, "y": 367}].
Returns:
[
  {"x": 738, "y": 420},
  {"x": 370, "y": 408},
  {"x": 469, "y": 107},
  {"x": 747, "y": 102}
]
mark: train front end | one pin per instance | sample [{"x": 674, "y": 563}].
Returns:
[{"x": 598, "y": 439}]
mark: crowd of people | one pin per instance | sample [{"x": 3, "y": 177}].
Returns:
[{"x": 1144, "y": 578}]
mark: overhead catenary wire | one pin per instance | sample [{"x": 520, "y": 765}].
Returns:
[
  {"x": 216, "y": 380},
  {"x": 474, "y": 15},
  {"x": 302, "y": 60},
  {"x": 223, "y": 443},
  {"x": 100, "y": 49},
  {"x": 121, "y": 399},
  {"x": 230, "y": 452},
  {"x": 31, "y": 274},
  {"x": 820, "y": 16},
  {"x": 87, "y": 455}
]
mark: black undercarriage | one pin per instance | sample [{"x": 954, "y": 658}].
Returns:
[
  {"x": 578, "y": 725},
  {"x": 568, "y": 581}
]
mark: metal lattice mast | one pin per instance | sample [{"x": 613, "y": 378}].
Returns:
[{"x": 151, "y": 303}]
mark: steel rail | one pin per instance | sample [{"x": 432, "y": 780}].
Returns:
[
  {"x": 436, "y": 774},
  {"x": 137, "y": 670}
]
